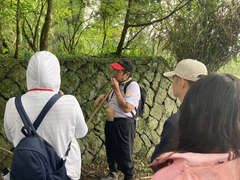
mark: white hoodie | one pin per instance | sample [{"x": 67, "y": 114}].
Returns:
[{"x": 63, "y": 123}]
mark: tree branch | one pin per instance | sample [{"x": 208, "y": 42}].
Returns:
[
  {"x": 73, "y": 43},
  {"x": 64, "y": 42},
  {"x": 135, "y": 35},
  {"x": 17, "y": 29},
  {"x": 159, "y": 20},
  {"x": 29, "y": 26},
  {"x": 78, "y": 38},
  {"x": 27, "y": 38},
  {"x": 124, "y": 31}
]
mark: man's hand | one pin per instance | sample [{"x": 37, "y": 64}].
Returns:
[
  {"x": 99, "y": 99},
  {"x": 114, "y": 84},
  {"x": 60, "y": 92},
  {"x": 124, "y": 105}
]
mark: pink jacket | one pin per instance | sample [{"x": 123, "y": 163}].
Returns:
[{"x": 196, "y": 166}]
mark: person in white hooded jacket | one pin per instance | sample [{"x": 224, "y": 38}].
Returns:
[{"x": 63, "y": 124}]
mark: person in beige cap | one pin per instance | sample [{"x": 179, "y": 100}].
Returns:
[{"x": 185, "y": 74}]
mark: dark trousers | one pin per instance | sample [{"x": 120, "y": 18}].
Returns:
[{"x": 119, "y": 136}]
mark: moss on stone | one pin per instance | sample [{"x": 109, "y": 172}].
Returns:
[
  {"x": 137, "y": 143},
  {"x": 2, "y": 108},
  {"x": 160, "y": 96},
  {"x": 73, "y": 65},
  {"x": 8, "y": 88},
  {"x": 70, "y": 82},
  {"x": 3, "y": 72}
]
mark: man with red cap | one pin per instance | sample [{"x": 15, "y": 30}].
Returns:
[{"x": 120, "y": 127}]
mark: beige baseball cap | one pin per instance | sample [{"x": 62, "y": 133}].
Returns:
[{"x": 188, "y": 69}]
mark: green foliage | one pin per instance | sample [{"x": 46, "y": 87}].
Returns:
[
  {"x": 7, "y": 12},
  {"x": 210, "y": 33},
  {"x": 231, "y": 68},
  {"x": 203, "y": 29}
]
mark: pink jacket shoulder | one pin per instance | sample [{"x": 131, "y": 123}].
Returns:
[{"x": 196, "y": 166}]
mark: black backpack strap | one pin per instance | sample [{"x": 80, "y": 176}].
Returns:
[
  {"x": 27, "y": 123},
  {"x": 24, "y": 116},
  {"x": 68, "y": 149},
  {"x": 126, "y": 85},
  {"x": 125, "y": 90},
  {"x": 45, "y": 110},
  {"x": 25, "y": 119},
  {"x": 111, "y": 95}
]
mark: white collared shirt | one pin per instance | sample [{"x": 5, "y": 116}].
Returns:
[{"x": 132, "y": 96}]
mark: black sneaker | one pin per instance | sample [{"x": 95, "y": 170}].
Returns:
[{"x": 110, "y": 176}]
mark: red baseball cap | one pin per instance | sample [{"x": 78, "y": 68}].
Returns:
[
  {"x": 117, "y": 66},
  {"x": 123, "y": 65}
]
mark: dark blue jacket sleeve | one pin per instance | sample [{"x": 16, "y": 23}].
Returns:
[{"x": 169, "y": 136}]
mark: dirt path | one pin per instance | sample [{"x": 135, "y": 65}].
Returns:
[{"x": 95, "y": 172}]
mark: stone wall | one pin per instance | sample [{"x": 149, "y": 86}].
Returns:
[{"x": 87, "y": 78}]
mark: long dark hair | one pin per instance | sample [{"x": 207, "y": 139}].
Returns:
[{"x": 210, "y": 115}]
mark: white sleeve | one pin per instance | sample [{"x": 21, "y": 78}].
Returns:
[
  {"x": 81, "y": 128},
  {"x": 7, "y": 120},
  {"x": 133, "y": 94}
]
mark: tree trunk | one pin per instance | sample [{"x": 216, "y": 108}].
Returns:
[
  {"x": 36, "y": 31},
  {"x": 1, "y": 38},
  {"x": 46, "y": 27},
  {"x": 17, "y": 29},
  {"x": 104, "y": 32},
  {"x": 124, "y": 31}
]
